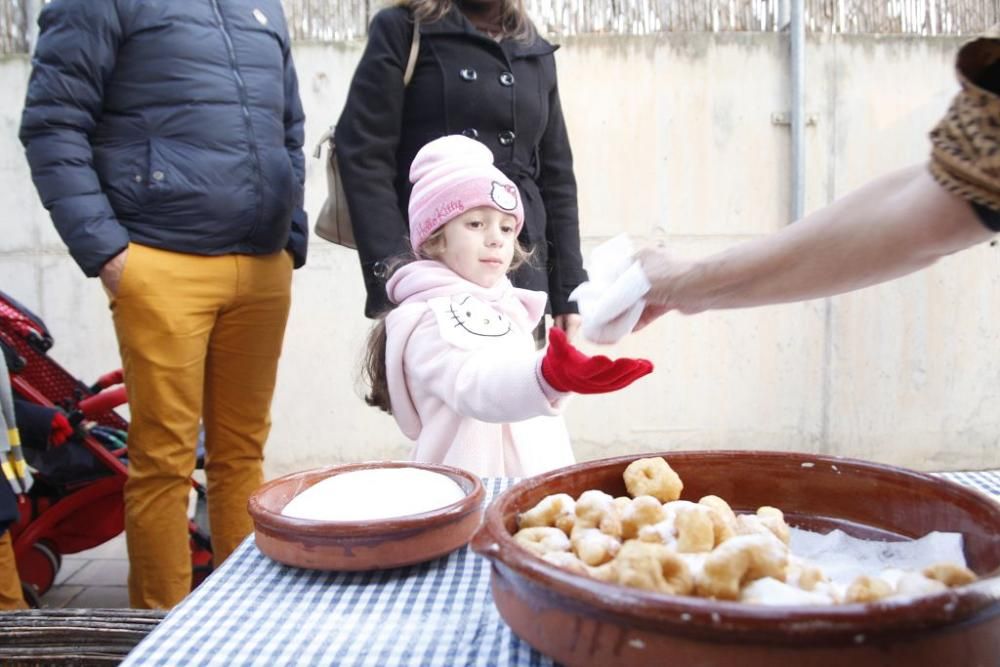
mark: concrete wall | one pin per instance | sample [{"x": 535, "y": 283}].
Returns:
[{"x": 674, "y": 139}]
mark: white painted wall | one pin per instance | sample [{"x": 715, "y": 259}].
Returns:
[{"x": 673, "y": 139}]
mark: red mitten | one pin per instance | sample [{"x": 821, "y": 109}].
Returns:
[
  {"x": 566, "y": 368},
  {"x": 61, "y": 429}
]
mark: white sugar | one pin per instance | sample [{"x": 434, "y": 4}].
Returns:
[{"x": 375, "y": 493}]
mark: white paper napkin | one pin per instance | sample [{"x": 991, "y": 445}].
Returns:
[
  {"x": 843, "y": 558},
  {"x": 611, "y": 302}
]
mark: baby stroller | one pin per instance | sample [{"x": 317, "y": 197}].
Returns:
[{"x": 76, "y": 502}]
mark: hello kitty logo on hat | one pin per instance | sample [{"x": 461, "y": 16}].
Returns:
[
  {"x": 451, "y": 175},
  {"x": 504, "y": 196}
]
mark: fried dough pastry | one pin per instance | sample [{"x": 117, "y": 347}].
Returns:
[
  {"x": 593, "y": 546},
  {"x": 651, "y": 567},
  {"x": 719, "y": 505},
  {"x": 723, "y": 518},
  {"x": 567, "y": 561},
  {"x": 558, "y": 510},
  {"x": 695, "y": 529},
  {"x": 804, "y": 575},
  {"x": 738, "y": 561},
  {"x": 753, "y": 524},
  {"x": 621, "y": 503},
  {"x": 596, "y": 509},
  {"x": 867, "y": 589},
  {"x": 950, "y": 574},
  {"x": 641, "y": 511},
  {"x": 541, "y": 540},
  {"x": 774, "y": 520},
  {"x": 653, "y": 477}
]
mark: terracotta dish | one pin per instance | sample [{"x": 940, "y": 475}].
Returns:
[
  {"x": 369, "y": 545},
  {"x": 581, "y": 621}
]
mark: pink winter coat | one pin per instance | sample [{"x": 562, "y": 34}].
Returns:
[{"x": 464, "y": 377}]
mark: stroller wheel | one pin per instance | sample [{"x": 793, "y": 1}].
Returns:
[
  {"x": 31, "y": 596},
  {"x": 39, "y": 568},
  {"x": 50, "y": 552}
]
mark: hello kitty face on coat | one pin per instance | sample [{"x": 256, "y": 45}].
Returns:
[
  {"x": 468, "y": 322},
  {"x": 477, "y": 318},
  {"x": 504, "y": 196}
]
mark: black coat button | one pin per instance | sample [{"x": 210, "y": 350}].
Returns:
[
  {"x": 471, "y": 132},
  {"x": 506, "y": 138},
  {"x": 380, "y": 270},
  {"x": 506, "y": 79},
  {"x": 468, "y": 74}
]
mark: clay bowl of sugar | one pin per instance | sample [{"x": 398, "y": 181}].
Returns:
[
  {"x": 580, "y": 620},
  {"x": 366, "y": 516}
]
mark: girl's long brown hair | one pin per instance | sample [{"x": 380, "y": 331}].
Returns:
[
  {"x": 373, "y": 365},
  {"x": 513, "y": 18}
]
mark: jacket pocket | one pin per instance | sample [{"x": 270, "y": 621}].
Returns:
[
  {"x": 281, "y": 190},
  {"x": 123, "y": 173},
  {"x": 125, "y": 278},
  {"x": 129, "y": 267}
]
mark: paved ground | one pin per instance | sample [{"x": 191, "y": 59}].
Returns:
[{"x": 94, "y": 578}]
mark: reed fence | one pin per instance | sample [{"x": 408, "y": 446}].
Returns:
[{"x": 336, "y": 20}]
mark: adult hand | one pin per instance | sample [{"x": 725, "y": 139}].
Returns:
[
  {"x": 111, "y": 272},
  {"x": 650, "y": 313},
  {"x": 666, "y": 275},
  {"x": 566, "y": 368},
  {"x": 568, "y": 322}
]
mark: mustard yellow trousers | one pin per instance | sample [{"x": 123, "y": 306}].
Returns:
[
  {"x": 200, "y": 338},
  {"x": 11, "y": 596}
]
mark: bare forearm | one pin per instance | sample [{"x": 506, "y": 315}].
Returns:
[{"x": 894, "y": 225}]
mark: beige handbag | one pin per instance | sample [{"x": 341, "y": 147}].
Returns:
[{"x": 334, "y": 220}]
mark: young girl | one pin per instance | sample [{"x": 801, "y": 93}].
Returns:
[{"x": 455, "y": 362}]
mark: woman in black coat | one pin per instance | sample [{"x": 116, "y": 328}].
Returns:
[{"x": 481, "y": 71}]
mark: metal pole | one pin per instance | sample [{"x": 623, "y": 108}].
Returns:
[
  {"x": 31, "y": 10},
  {"x": 797, "y": 35}
]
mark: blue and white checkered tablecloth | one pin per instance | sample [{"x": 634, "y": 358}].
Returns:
[
  {"x": 987, "y": 481},
  {"x": 254, "y": 611}
]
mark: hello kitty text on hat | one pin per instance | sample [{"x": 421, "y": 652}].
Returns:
[{"x": 451, "y": 175}]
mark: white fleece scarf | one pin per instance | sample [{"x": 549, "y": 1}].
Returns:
[{"x": 411, "y": 286}]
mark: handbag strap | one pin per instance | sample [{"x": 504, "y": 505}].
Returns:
[{"x": 411, "y": 64}]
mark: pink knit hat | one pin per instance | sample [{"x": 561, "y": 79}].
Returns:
[{"x": 451, "y": 175}]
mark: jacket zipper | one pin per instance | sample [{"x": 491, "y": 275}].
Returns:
[{"x": 245, "y": 109}]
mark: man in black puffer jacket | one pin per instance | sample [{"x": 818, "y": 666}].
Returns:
[{"x": 165, "y": 139}]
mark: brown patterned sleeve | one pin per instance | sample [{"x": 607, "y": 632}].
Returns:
[{"x": 965, "y": 155}]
